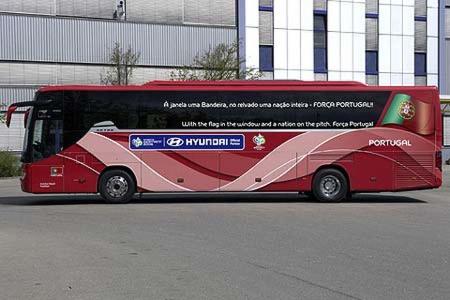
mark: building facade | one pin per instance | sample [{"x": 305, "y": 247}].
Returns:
[
  {"x": 379, "y": 42},
  {"x": 46, "y": 42},
  {"x": 444, "y": 47}
]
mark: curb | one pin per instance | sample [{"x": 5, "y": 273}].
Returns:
[{"x": 6, "y": 178}]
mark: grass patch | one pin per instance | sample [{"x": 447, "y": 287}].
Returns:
[{"x": 9, "y": 165}]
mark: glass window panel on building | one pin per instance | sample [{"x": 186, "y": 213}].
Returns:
[
  {"x": 371, "y": 6},
  {"x": 320, "y": 39},
  {"x": 86, "y": 8},
  {"x": 320, "y": 76},
  {"x": 420, "y": 36},
  {"x": 266, "y": 58},
  {"x": 216, "y": 12},
  {"x": 420, "y": 64},
  {"x": 446, "y": 127},
  {"x": 447, "y": 66},
  {"x": 12, "y": 6},
  {"x": 420, "y": 80},
  {"x": 320, "y": 60},
  {"x": 320, "y": 43},
  {"x": 371, "y": 34},
  {"x": 320, "y": 4},
  {"x": 266, "y": 3},
  {"x": 320, "y": 22},
  {"x": 371, "y": 62},
  {"x": 28, "y": 6},
  {"x": 447, "y": 22},
  {"x": 65, "y": 8},
  {"x": 158, "y": 11},
  {"x": 266, "y": 76},
  {"x": 101, "y": 8},
  {"x": 266, "y": 27},
  {"x": 420, "y": 8},
  {"x": 372, "y": 79}
]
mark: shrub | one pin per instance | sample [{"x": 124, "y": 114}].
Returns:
[{"x": 9, "y": 165}]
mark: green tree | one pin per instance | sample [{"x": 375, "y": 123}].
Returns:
[
  {"x": 219, "y": 63},
  {"x": 123, "y": 62}
]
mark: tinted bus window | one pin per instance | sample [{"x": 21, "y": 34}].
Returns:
[
  {"x": 261, "y": 110},
  {"x": 83, "y": 110},
  {"x": 220, "y": 110},
  {"x": 177, "y": 110}
]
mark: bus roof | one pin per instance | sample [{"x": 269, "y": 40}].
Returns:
[
  {"x": 242, "y": 85},
  {"x": 252, "y": 83}
]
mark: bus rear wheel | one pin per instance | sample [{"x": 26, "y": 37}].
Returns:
[
  {"x": 330, "y": 185},
  {"x": 117, "y": 186}
]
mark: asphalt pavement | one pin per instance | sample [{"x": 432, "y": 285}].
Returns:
[{"x": 204, "y": 246}]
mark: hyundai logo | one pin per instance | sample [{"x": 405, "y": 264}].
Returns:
[{"x": 175, "y": 142}]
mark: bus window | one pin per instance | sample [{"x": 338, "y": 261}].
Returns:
[
  {"x": 46, "y": 138},
  {"x": 83, "y": 110},
  {"x": 178, "y": 110}
]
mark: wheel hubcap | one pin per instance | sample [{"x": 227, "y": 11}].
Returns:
[
  {"x": 330, "y": 186},
  {"x": 117, "y": 186}
]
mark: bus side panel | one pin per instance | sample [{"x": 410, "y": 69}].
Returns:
[
  {"x": 80, "y": 176},
  {"x": 279, "y": 175},
  {"x": 185, "y": 170},
  {"x": 82, "y": 170},
  {"x": 365, "y": 171},
  {"x": 47, "y": 176},
  {"x": 372, "y": 172}
]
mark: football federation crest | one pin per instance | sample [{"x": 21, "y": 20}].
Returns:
[{"x": 407, "y": 110}]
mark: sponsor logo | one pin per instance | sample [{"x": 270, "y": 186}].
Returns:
[
  {"x": 392, "y": 143},
  {"x": 407, "y": 110},
  {"x": 137, "y": 142},
  {"x": 187, "y": 142},
  {"x": 259, "y": 141},
  {"x": 175, "y": 142}
]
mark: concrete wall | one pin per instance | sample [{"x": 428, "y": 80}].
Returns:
[{"x": 49, "y": 39}]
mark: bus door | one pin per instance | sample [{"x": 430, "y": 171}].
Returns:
[{"x": 46, "y": 141}]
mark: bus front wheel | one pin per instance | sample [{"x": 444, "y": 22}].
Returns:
[
  {"x": 330, "y": 185},
  {"x": 117, "y": 186}
]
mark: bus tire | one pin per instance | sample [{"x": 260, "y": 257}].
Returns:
[
  {"x": 330, "y": 185},
  {"x": 117, "y": 186}
]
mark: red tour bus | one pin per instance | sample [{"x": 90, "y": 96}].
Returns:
[{"x": 328, "y": 139}]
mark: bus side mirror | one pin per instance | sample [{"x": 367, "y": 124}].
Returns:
[{"x": 11, "y": 110}]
